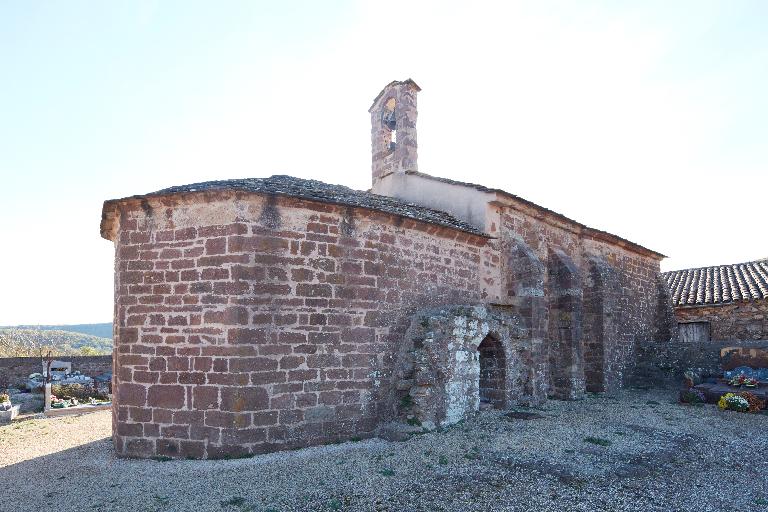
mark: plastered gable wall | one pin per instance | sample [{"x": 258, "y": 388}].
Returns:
[{"x": 247, "y": 323}]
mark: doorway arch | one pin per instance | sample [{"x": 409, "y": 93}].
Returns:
[{"x": 493, "y": 373}]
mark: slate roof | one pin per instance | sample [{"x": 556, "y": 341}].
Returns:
[
  {"x": 720, "y": 284},
  {"x": 317, "y": 191}
]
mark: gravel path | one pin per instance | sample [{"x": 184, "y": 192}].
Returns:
[{"x": 645, "y": 453}]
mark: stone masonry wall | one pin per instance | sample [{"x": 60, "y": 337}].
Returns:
[
  {"x": 15, "y": 370},
  {"x": 619, "y": 290},
  {"x": 664, "y": 364},
  {"x": 247, "y": 324},
  {"x": 737, "y": 321}
]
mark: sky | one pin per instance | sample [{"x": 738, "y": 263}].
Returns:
[{"x": 644, "y": 119}]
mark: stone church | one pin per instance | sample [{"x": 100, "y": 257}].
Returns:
[{"x": 261, "y": 314}]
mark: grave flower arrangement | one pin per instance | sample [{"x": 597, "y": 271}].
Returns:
[
  {"x": 743, "y": 380},
  {"x": 732, "y": 402},
  {"x": 692, "y": 396},
  {"x": 755, "y": 404},
  {"x": 5, "y": 401}
]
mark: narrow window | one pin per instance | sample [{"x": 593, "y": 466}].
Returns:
[{"x": 492, "y": 373}]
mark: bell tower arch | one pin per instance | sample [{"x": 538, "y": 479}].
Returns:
[{"x": 393, "y": 130}]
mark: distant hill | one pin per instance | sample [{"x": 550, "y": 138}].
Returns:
[
  {"x": 98, "y": 330},
  {"x": 17, "y": 342}
]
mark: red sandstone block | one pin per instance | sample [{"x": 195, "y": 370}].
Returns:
[
  {"x": 323, "y": 361},
  {"x": 336, "y": 374},
  {"x": 181, "y": 265},
  {"x": 146, "y": 377},
  {"x": 192, "y": 378},
  {"x": 218, "y": 261},
  {"x": 244, "y": 436},
  {"x": 228, "y": 350},
  {"x": 302, "y": 274},
  {"x": 302, "y": 375},
  {"x": 265, "y": 418},
  {"x": 292, "y": 337},
  {"x": 238, "y": 399},
  {"x": 220, "y": 365},
  {"x": 169, "y": 378},
  {"x": 289, "y": 319},
  {"x": 248, "y": 273},
  {"x": 247, "y": 336},
  {"x": 214, "y": 299},
  {"x": 291, "y": 362},
  {"x": 222, "y": 230},
  {"x": 189, "y": 275},
  {"x": 204, "y": 433},
  {"x": 212, "y": 273},
  {"x": 231, "y": 288},
  {"x": 192, "y": 449},
  {"x": 288, "y": 387},
  {"x": 175, "y": 431},
  {"x": 139, "y": 414},
  {"x": 313, "y": 290},
  {"x": 271, "y": 289},
  {"x": 285, "y": 401},
  {"x": 356, "y": 361},
  {"x": 305, "y": 349},
  {"x": 289, "y": 416},
  {"x": 127, "y": 335},
  {"x": 131, "y": 394},
  {"x": 130, "y": 429},
  {"x": 205, "y": 397},
  {"x": 167, "y": 448},
  {"x": 262, "y": 378},
  {"x": 330, "y": 397},
  {"x": 177, "y": 320},
  {"x": 178, "y": 364},
  {"x": 202, "y": 364},
  {"x": 252, "y": 364},
  {"x": 193, "y": 252},
  {"x": 185, "y": 234},
  {"x": 169, "y": 254},
  {"x": 323, "y": 337},
  {"x": 306, "y": 400},
  {"x": 227, "y": 419},
  {"x": 256, "y": 243},
  {"x": 139, "y": 447},
  {"x": 228, "y": 379},
  {"x": 166, "y": 396},
  {"x": 215, "y": 246}
]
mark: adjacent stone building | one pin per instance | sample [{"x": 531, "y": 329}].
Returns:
[
  {"x": 722, "y": 303},
  {"x": 254, "y": 315}
]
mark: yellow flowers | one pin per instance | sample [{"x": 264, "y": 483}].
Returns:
[{"x": 723, "y": 402}]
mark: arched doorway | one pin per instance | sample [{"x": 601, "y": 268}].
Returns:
[{"x": 492, "y": 373}]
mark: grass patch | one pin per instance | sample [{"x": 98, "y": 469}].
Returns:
[
  {"x": 652, "y": 402},
  {"x": 414, "y": 422},
  {"x": 598, "y": 441},
  {"x": 761, "y": 501},
  {"x": 161, "y": 458},
  {"x": 387, "y": 472},
  {"x": 442, "y": 460}
]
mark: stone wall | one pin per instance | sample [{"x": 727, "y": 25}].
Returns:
[
  {"x": 746, "y": 320},
  {"x": 663, "y": 364},
  {"x": 248, "y": 323},
  {"x": 604, "y": 297},
  {"x": 15, "y": 370}
]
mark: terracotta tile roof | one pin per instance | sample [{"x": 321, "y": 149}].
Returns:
[
  {"x": 315, "y": 191},
  {"x": 719, "y": 284}
]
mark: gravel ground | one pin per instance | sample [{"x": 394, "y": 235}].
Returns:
[{"x": 644, "y": 453}]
